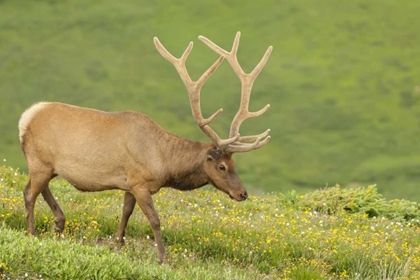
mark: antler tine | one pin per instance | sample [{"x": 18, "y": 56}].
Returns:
[
  {"x": 240, "y": 148},
  {"x": 230, "y": 56},
  {"x": 253, "y": 138},
  {"x": 213, "y": 46},
  {"x": 179, "y": 63},
  {"x": 194, "y": 88},
  {"x": 247, "y": 81},
  {"x": 262, "y": 62}
]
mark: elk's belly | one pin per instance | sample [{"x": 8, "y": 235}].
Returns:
[{"x": 93, "y": 179}]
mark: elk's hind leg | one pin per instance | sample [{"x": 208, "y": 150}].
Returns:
[
  {"x": 128, "y": 207},
  {"x": 38, "y": 181},
  {"x": 59, "y": 218}
]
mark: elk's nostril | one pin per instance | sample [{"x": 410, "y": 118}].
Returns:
[{"x": 244, "y": 196}]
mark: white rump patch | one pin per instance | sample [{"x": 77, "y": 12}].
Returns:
[{"x": 27, "y": 116}]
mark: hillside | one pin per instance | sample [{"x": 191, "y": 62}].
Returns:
[
  {"x": 209, "y": 236},
  {"x": 342, "y": 81}
]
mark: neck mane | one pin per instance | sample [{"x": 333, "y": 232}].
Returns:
[{"x": 186, "y": 171}]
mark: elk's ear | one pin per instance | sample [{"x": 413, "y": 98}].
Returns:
[{"x": 213, "y": 154}]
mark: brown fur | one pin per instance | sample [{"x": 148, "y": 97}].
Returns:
[{"x": 96, "y": 150}]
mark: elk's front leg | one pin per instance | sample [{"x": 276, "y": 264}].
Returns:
[
  {"x": 144, "y": 200},
  {"x": 128, "y": 207}
]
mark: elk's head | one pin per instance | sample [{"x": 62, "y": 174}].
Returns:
[{"x": 220, "y": 166}]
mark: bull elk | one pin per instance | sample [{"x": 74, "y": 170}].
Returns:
[{"x": 96, "y": 150}]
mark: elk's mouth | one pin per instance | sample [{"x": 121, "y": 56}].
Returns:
[
  {"x": 239, "y": 197},
  {"x": 242, "y": 197}
]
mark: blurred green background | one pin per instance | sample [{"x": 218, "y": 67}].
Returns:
[{"x": 343, "y": 80}]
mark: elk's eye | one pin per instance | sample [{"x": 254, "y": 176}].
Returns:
[{"x": 222, "y": 167}]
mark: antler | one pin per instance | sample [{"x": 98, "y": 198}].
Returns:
[
  {"x": 243, "y": 143},
  {"x": 193, "y": 89},
  {"x": 235, "y": 143}
]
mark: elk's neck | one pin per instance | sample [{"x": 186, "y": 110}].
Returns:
[{"x": 187, "y": 169}]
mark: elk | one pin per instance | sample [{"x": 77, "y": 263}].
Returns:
[{"x": 96, "y": 150}]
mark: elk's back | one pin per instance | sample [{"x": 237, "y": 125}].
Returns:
[{"x": 92, "y": 149}]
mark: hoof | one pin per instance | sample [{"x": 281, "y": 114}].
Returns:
[
  {"x": 164, "y": 261},
  {"x": 120, "y": 241}
]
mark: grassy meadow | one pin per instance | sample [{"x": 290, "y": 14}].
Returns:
[
  {"x": 344, "y": 88},
  {"x": 333, "y": 233},
  {"x": 342, "y": 81}
]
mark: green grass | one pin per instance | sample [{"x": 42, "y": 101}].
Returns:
[
  {"x": 342, "y": 79},
  {"x": 327, "y": 234}
]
